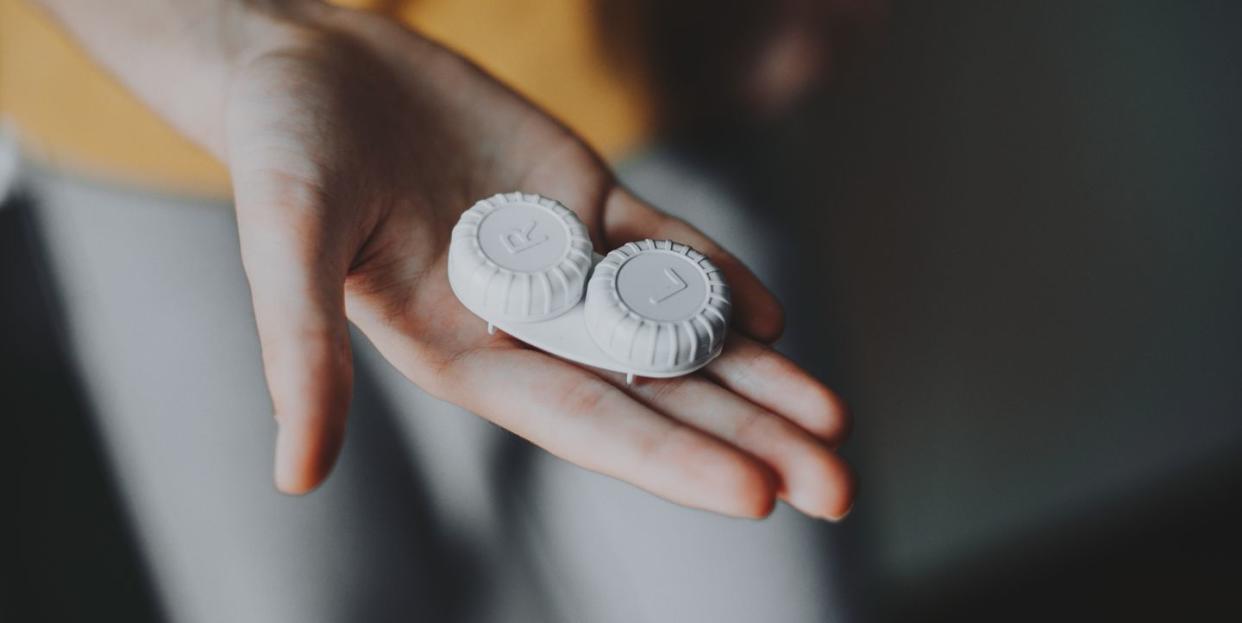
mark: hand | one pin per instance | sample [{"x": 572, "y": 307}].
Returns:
[{"x": 354, "y": 144}]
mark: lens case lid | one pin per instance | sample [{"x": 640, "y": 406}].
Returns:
[
  {"x": 657, "y": 306},
  {"x": 519, "y": 257}
]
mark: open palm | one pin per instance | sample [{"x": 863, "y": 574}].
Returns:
[{"x": 354, "y": 145}]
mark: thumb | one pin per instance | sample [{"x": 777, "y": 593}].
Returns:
[{"x": 297, "y": 279}]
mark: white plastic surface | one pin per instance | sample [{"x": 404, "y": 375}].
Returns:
[
  {"x": 652, "y": 308},
  {"x": 658, "y": 306},
  {"x": 519, "y": 257}
]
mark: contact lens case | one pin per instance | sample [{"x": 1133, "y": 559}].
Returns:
[{"x": 525, "y": 264}]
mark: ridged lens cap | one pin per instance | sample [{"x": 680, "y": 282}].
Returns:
[
  {"x": 658, "y": 306},
  {"x": 520, "y": 257}
]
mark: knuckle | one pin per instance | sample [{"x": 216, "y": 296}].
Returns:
[
  {"x": 754, "y": 425},
  {"x": 662, "y": 390},
  {"x": 584, "y": 396}
]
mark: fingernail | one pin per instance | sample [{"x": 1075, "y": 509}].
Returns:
[
  {"x": 842, "y": 516},
  {"x": 285, "y": 464}
]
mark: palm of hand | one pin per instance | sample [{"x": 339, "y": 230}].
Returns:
[{"x": 354, "y": 148}]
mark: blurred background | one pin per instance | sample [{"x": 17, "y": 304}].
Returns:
[{"x": 1015, "y": 249}]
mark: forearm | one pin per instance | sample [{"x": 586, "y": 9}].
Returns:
[{"x": 178, "y": 56}]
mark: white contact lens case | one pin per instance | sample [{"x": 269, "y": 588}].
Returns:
[{"x": 524, "y": 263}]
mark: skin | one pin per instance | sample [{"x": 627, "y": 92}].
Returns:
[{"x": 354, "y": 144}]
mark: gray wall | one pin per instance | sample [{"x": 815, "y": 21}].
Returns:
[{"x": 1030, "y": 215}]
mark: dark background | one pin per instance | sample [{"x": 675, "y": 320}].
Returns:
[{"x": 1030, "y": 218}]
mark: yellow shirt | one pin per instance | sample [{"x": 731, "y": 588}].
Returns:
[{"x": 71, "y": 114}]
